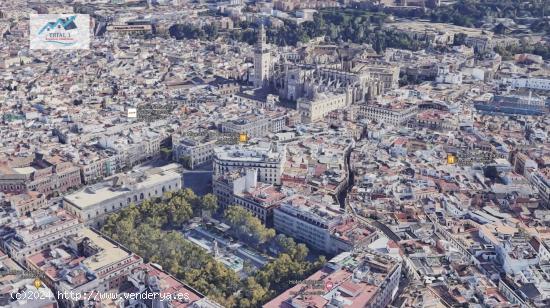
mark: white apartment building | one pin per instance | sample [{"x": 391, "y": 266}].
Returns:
[
  {"x": 318, "y": 225},
  {"x": 392, "y": 114},
  {"x": 303, "y": 225},
  {"x": 93, "y": 204},
  {"x": 253, "y": 127},
  {"x": 450, "y": 78},
  {"x": 277, "y": 123},
  {"x": 102, "y": 266},
  {"x": 268, "y": 159},
  {"x": 516, "y": 254},
  {"x": 100, "y": 167},
  {"x": 43, "y": 229},
  {"x": 194, "y": 152},
  {"x": 529, "y": 83},
  {"x": 243, "y": 189},
  {"x": 133, "y": 149},
  {"x": 479, "y": 43},
  {"x": 540, "y": 179}
]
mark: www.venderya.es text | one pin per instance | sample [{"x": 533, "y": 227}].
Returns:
[{"x": 99, "y": 296}]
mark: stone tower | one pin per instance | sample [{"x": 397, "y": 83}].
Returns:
[{"x": 262, "y": 60}]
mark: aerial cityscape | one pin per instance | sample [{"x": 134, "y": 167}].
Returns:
[{"x": 274, "y": 153}]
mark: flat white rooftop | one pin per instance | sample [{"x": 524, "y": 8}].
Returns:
[
  {"x": 24, "y": 170},
  {"x": 91, "y": 197},
  {"x": 239, "y": 153},
  {"x": 110, "y": 252}
]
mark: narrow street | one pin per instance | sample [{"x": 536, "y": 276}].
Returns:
[
  {"x": 342, "y": 196},
  {"x": 404, "y": 281}
]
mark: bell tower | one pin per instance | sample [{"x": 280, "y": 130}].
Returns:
[{"x": 262, "y": 60}]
